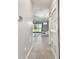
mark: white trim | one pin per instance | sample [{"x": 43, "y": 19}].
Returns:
[
  {"x": 54, "y": 53},
  {"x": 29, "y": 52}
]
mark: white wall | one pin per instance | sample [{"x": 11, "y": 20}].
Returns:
[
  {"x": 25, "y": 8},
  {"x": 24, "y": 28},
  {"x": 53, "y": 31}
]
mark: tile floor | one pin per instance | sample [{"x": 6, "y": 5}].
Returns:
[{"x": 41, "y": 48}]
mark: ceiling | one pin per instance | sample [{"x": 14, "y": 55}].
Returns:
[
  {"x": 41, "y": 3},
  {"x": 41, "y": 8}
]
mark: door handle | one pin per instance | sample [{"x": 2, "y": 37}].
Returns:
[{"x": 20, "y": 19}]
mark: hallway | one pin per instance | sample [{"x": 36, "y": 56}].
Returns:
[
  {"x": 40, "y": 18},
  {"x": 40, "y": 48}
]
